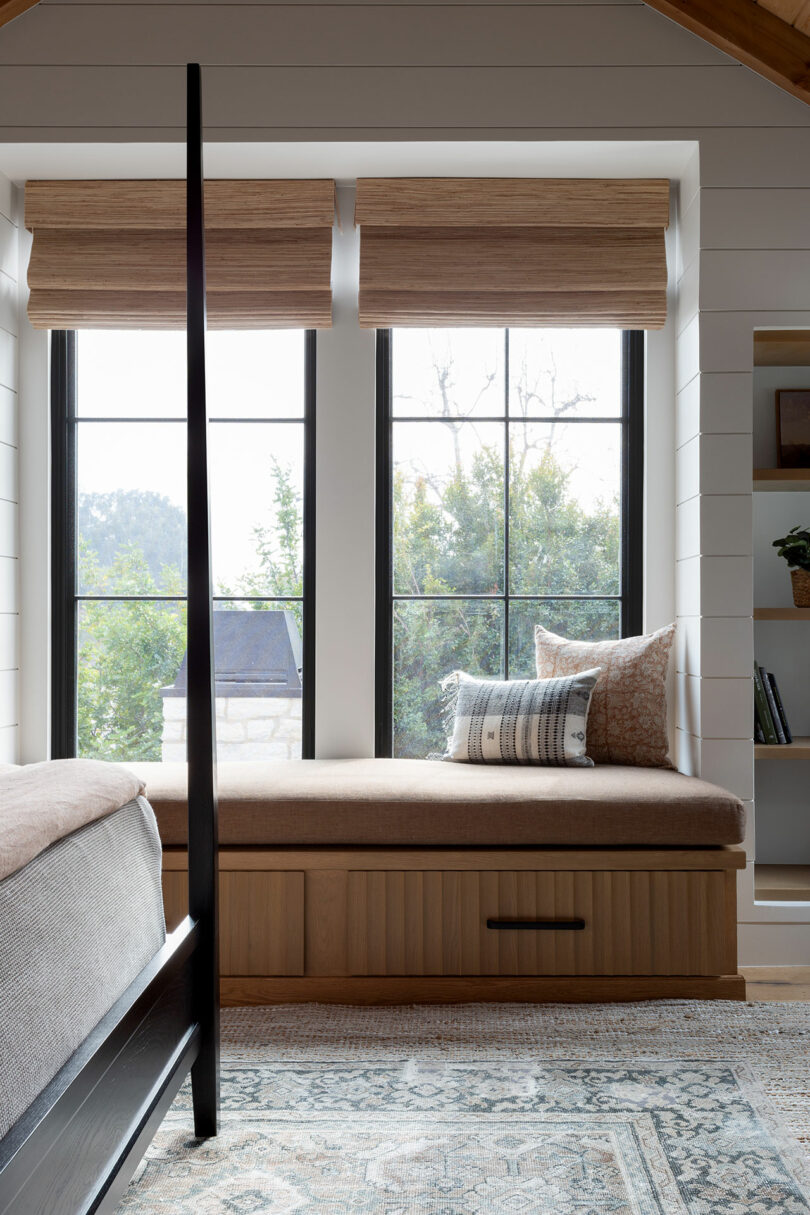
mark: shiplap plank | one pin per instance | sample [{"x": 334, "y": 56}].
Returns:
[
  {"x": 8, "y": 584},
  {"x": 688, "y": 295},
  {"x": 687, "y": 413},
  {"x": 755, "y": 219},
  {"x": 8, "y": 475},
  {"x": 725, "y": 465},
  {"x": 688, "y": 704},
  {"x": 727, "y": 707},
  {"x": 725, "y": 586},
  {"x": 9, "y": 256},
  {"x": 9, "y": 304},
  {"x": 9, "y": 687},
  {"x": 9, "y": 642},
  {"x": 743, "y": 279},
  {"x": 730, "y": 764},
  {"x": 715, "y": 647},
  {"x": 261, "y": 99},
  {"x": 9, "y": 746},
  {"x": 8, "y": 359},
  {"x": 327, "y": 35},
  {"x": 8, "y": 416},
  {"x": 726, "y": 523},
  {"x": 9, "y": 524},
  {"x": 687, "y": 528},
  {"x": 650, "y": 157},
  {"x": 7, "y": 208},
  {"x": 725, "y": 403},
  {"x": 756, "y": 158},
  {"x": 687, "y": 587},
  {"x": 687, "y": 354},
  {"x": 687, "y": 471},
  {"x": 689, "y": 229}
]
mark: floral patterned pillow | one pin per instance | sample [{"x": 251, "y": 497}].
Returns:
[{"x": 627, "y": 723}]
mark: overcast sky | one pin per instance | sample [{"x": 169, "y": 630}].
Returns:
[{"x": 261, "y": 375}]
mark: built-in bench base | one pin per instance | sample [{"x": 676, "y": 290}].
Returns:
[
  {"x": 465, "y": 990},
  {"x": 365, "y": 925}
]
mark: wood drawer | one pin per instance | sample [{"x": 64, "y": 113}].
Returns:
[
  {"x": 261, "y": 919},
  {"x": 636, "y": 922}
]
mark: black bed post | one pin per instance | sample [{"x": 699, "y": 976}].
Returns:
[{"x": 202, "y": 798}]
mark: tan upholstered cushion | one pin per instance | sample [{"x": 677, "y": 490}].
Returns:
[
  {"x": 627, "y": 723},
  {"x": 416, "y": 802}
]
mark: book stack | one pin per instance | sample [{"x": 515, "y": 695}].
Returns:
[{"x": 770, "y": 721}]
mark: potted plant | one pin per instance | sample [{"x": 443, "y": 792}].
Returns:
[{"x": 795, "y": 548}]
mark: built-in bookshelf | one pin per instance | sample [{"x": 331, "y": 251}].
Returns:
[
  {"x": 783, "y": 883},
  {"x": 781, "y": 613},
  {"x": 781, "y": 632},
  {"x": 798, "y": 749},
  {"x": 781, "y": 480}
]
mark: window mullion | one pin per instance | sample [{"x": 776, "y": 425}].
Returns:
[
  {"x": 632, "y": 483},
  {"x": 63, "y": 545},
  {"x": 384, "y": 590},
  {"x": 506, "y": 481}
]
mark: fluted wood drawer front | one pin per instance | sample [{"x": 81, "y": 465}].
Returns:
[
  {"x": 261, "y": 919},
  {"x": 635, "y": 923}
]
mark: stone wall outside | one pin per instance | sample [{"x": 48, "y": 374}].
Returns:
[{"x": 248, "y": 727}]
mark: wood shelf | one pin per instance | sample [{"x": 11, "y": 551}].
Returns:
[
  {"x": 782, "y": 480},
  {"x": 786, "y": 613},
  {"x": 782, "y": 348},
  {"x": 798, "y": 749},
  {"x": 782, "y": 883}
]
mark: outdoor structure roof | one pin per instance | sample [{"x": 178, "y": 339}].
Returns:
[{"x": 256, "y": 653}]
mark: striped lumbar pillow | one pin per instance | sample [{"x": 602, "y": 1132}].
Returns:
[{"x": 519, "y": 721}]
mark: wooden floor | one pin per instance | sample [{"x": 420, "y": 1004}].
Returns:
[{"x": 777, "y": 982}]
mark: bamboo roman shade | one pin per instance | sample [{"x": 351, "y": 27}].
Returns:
[
  {"x": 502, "y": 251},
  {"x": 112, "y": 254}
]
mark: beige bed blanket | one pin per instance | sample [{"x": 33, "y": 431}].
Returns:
[{"x": 41, "y": 803}]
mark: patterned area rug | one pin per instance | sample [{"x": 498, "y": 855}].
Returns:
[{"x": 673, "y": 1108}]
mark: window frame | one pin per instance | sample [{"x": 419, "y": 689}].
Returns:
[
  {"x": 631, "y": 587},
  {"x": 65, "y": 598}
]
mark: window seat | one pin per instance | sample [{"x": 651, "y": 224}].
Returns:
[
  {"x": 394, "y": 881},
  {"x": 422, "y": 803}
]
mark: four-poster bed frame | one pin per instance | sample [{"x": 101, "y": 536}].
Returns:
[{"x": 76, "y": 1147}]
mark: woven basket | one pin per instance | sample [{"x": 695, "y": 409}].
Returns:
[{"x": 801, "y": 587}]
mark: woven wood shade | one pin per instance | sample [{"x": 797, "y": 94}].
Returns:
[
  {"x": 112, "y": 254},
  {"x": 500, "y": 251}
]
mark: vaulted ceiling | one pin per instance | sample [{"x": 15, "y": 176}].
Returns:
[
  {"x": 794, "y": 12},
  {"x": 770, "y": 36},
  {"x": 760, "y": 34}
]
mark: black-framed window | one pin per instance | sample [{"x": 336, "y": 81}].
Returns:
[
  {"x": 119, "y": 542},
  {"x": 510, "y": 467}
]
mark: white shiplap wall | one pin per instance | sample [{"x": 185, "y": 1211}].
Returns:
[
  {"x": 526, "y": 71},
  {"x": 9, "y": 363}
]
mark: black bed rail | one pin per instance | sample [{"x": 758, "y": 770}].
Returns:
[{"x": 74, "y": 1149}]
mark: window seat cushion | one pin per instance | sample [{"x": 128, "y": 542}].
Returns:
[{"x": 420, "y": 803}]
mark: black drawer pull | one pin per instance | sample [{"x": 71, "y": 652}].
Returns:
[{"x": 538, "y": 925}]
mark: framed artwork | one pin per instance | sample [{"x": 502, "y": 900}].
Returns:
[{"x": 793, "y": 428}]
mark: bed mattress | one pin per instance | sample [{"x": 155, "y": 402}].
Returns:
[{"x": 77, "y": 925}]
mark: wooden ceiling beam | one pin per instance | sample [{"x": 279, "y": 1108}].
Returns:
[
  {"x": 9, "y": 9},
  {"x": 751, "y": 33}
]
